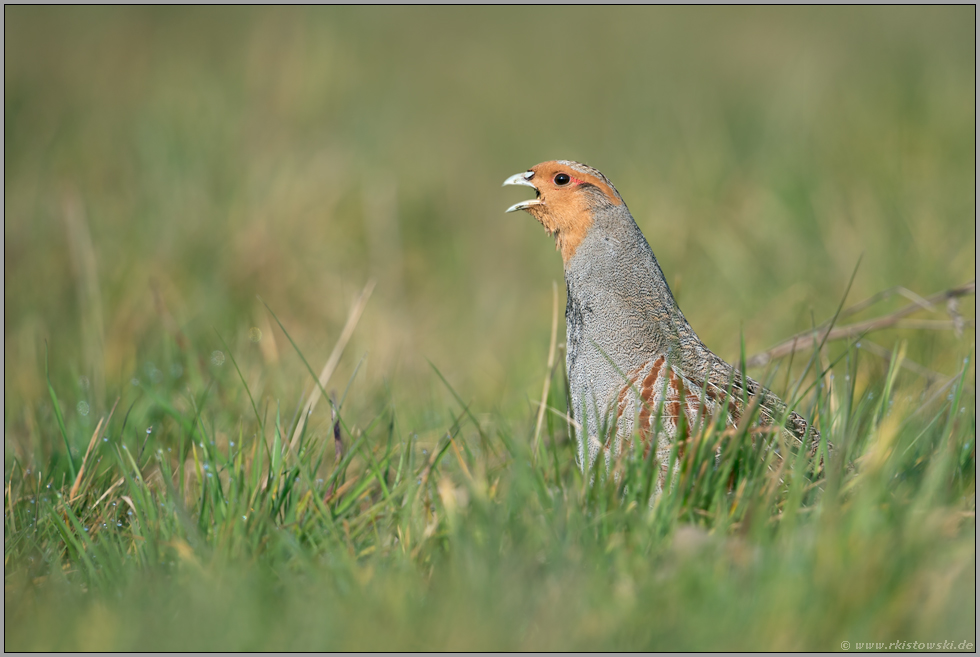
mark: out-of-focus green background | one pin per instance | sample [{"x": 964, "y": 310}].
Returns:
[{"x": 165, "y": 166}]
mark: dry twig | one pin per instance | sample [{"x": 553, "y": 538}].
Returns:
[{"x": 825, "y": 333}]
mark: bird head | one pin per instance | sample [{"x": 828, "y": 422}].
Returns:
[{"x": 567, "y": 197}]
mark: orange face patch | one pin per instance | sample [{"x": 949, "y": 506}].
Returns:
[{"x": 566, "y": 191}]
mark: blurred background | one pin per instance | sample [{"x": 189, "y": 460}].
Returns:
[{"x": 164, "y": 167}]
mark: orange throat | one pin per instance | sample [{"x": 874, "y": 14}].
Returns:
[{"x": 568, "y": 226}]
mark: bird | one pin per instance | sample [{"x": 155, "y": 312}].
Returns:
[{"x": 635, "y": 366}]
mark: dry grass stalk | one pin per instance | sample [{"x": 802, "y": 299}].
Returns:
[
  {"x": 331, "y": 364},
  {"x": 91, "y": 445},
  {"x": 551, "y": 370},
  {"x": 827, "y": 333}
]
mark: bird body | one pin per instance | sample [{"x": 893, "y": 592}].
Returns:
[{"x": 635, "y": 366}]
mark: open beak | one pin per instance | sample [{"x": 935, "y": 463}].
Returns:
[{"x": 523, "y": 179}]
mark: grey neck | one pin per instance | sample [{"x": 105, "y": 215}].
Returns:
[{"x": 614, "y": 273}]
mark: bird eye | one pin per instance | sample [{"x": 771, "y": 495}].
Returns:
[{"x": 562, "y": 179}]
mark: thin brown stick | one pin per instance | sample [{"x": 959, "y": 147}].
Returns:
[
  {"x": 825, "y": 334},
  {"x": 551, "y": 371},
  {"x": 331, "y": 364}
]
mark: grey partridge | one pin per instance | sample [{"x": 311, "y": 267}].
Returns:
[{"x": 635, "y": 366}]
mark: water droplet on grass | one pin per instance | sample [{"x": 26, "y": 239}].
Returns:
[
  {"x": 255, "y": 334},
  {"x": 82, "y": 408},
  {"x": 217, "y": 358}
]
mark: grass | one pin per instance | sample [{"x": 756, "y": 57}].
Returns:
[
  {"x": 164, "y": 167},
  {"x": 460, "y": 543}
]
